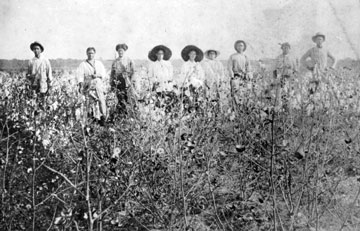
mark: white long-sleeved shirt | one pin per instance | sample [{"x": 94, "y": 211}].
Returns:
[
  {"x": 191, "y": 74},
  {"x": 161, "y": 72},
  {"x": 41, "y": 73}
]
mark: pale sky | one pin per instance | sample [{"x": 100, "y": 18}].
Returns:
[{"x": 67, "y": 27}]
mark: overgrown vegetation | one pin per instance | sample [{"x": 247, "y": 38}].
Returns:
[{"x": 273, "y": 163}]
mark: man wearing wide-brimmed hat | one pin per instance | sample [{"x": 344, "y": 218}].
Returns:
[
  {"x": 160, "y": 70},
  {"x": 121, "y": 77},
  {"x": 317, "y": 58},
  {"x": 39, "y": 70},
  {"x": 239, "y": 70}
]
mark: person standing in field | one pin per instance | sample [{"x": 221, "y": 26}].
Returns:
[
  {"x": 286, "y": 65},
  {"x": 90, "y": 74},
  {"x": 239, "y": 70},
  {"x": 192, "y": 77},
  {"x": 214, "y": 75},
  {"x": 161, "y": 73},
  {"x": 317, "y": 59},
  {"x": 122, "y": 72},
  {"x": 285, "y": 69},
  {"x": 192, "y": 74},
  {"x": 39, "y": 72}
]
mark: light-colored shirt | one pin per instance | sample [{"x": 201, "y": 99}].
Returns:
[
  {"x": 40, "y": 71},
  {"x": 214, "y": 72},
  {"x": 191, "y": 74},
  {"x": 162, "y": 73},
  {"x": 86, "y": 70},
  {"x": 318, "y": 56},
  {"x": 238, "y": 63},
  {"x": 286, "y": 64}
]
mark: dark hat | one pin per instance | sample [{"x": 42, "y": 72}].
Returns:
[
  {"x": 286, "y": 44},
  {"x": 152, "y": 54},
  {"x": 122, "y": 45},
  {"x": 185, "y": 53},
  {"x": 317, "y": 35},
  {"x": 36, "y": 44},
  {"x": 240, "y": 41},
  {"x": 208, "y": 51}
]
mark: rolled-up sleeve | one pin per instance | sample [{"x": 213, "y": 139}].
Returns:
[
  {"x": 80, "y": 73},
  {"x": 230, "y": 66},
  {"x": 49, "y": 71}
]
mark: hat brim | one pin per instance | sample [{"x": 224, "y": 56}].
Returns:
[
  {"x": 240, "y": 41},
  {"x": 208, "y": 51},
  {"x": 167, "y": 53},
  {"x": 185, "y": 53},
  {"x": 318, "y": 35},
  {"x": 32, "y": 45}
]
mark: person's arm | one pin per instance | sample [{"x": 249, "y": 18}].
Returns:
[
  {"x": 29, "y": 72},
  {"x": 295, "y": 65},
  {"x": 182, "y": 77},
  {"x": 112, "y": 76},
  {"x": 332, "y": 58},
  {"x": 132, "y": 69},
  {"x": 247, "y": 65},
  {"x": 208, "y": 72},
  {"x": 49, "y": 73},
  {"x": 80, "y": 76},
  {"x": 304, "y": 58},
  {"x": 171, "y": 72},
  {"x": 230, "y": 67}
]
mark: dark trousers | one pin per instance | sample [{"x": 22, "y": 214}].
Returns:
[{"x": 119, "y": 86}]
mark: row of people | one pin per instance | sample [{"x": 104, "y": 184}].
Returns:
[{"x": 209, "y": 75}]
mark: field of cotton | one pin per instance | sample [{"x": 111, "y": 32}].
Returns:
[{"x": 284, "y": 159}]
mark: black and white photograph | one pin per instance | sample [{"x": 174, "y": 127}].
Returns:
[{"x": 180, "y": 115}]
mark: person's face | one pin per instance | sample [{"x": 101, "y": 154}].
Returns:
[
  {"x": 37, "y": 50},
  {"x": 240, "y": 47},
  {"x": 212, "y": 55},
  {"x": 160, "y": 55},
  {"x": 121, "y": 52},
  {"x": 192, "y": 55},
  {"x": 90, "y": 54},
  {"x": 319, "y": 41},
  {"x": 286, "y": 50}
]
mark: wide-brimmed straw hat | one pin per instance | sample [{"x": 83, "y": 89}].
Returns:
[
  {"x": 121, "y": 45},
  {"x": 152, "y": 54},
  {"x": 318, "y": 35},
  {"x": 185, "y": 53},
  {"x": 240, "y": 41},
  {"x": 32, "y": 45},
  {"x": 210, "y": 50}
]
